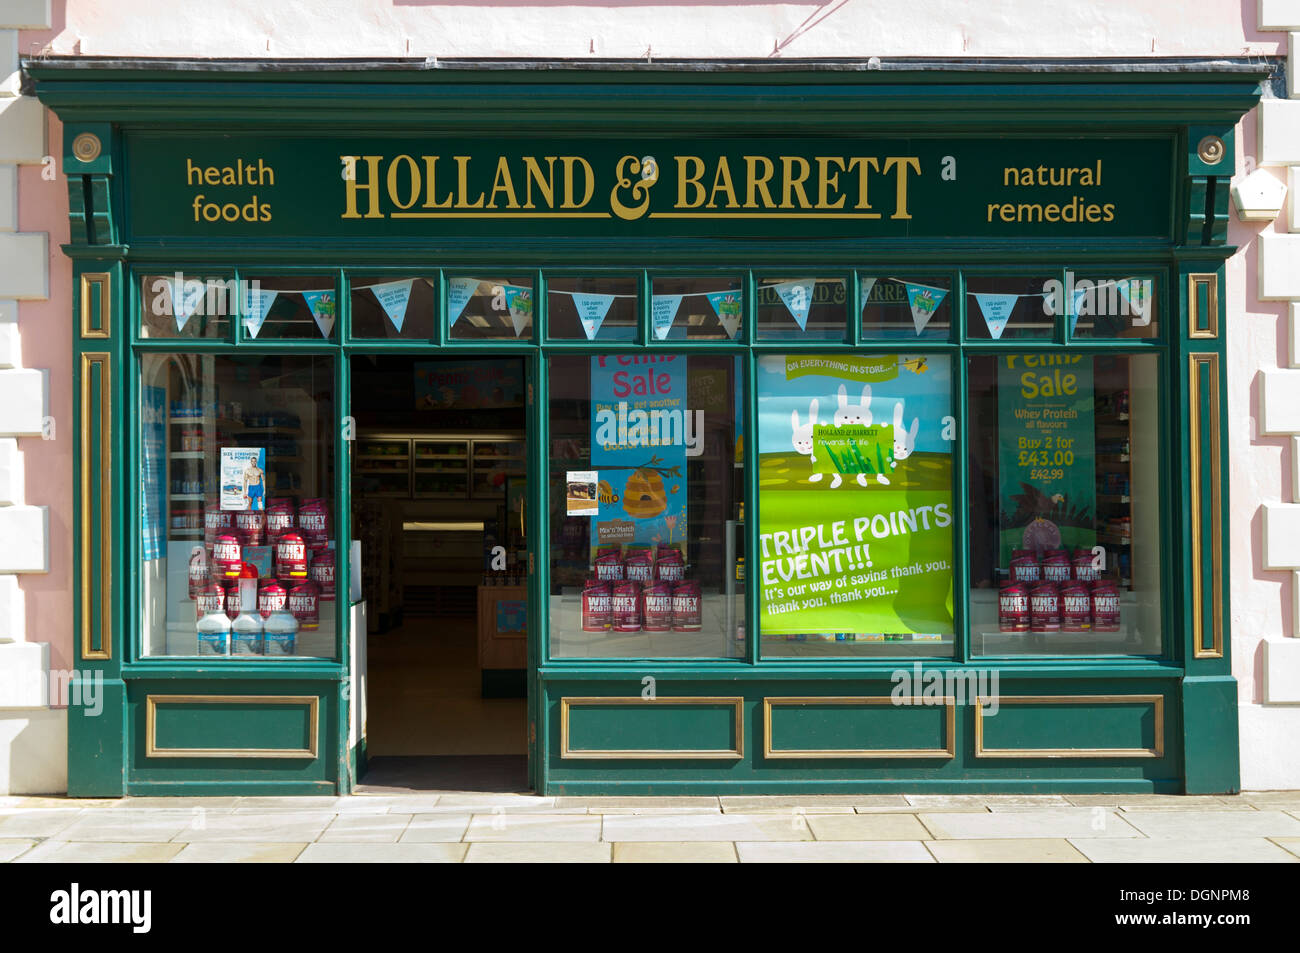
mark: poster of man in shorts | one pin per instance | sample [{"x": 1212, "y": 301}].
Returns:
[{"x": 243, "y": 478}]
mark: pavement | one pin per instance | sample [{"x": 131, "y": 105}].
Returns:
[{"x": 1261, "y": 827}]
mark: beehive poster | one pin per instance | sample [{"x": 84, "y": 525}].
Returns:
[{"x": 640, "y": 433}]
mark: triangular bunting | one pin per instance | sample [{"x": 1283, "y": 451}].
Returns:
[
  {"x": 322, "y": 309},
  {"x": 864, "y": 291},
  {"x": 663, "y": 308},
  {"x": 459, "y": 291},
  {"x": 257, "y": 304},
  {"x": 520, "y": 302},
  {"x": 726, "y": 305},
  {"x": 186, "y": 296},
  {"x": 393, "y": 297},
  {"x": 924, "y": 302},
  {"x": 798, "y": 298},
  {"x": 1079, "y": 300},
  {"x": 591, "y": 309},
  {"x": 997, "y": 311}
]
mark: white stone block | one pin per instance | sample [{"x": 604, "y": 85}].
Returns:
[
  {"x": 1281, "y": 671},
  {"x": 8, "y": 198},
  {"x": 24, "y": 267},
  {"x": 22, "y": 402},
  {"x": 1281, "y": 536},
  {"x": 1279, "y": 15},
  {"x": 31, "y": 14},
  {"x": 1279, "y": 266},
  {"x": 1268, "y": 736},
  {"x": 1293, "y": 203},
  {"x": 1279, "y": 131},
  {"x": 11, "y": 474},
  {"x": 13, "y": 620},
  {"x": 25, "y": 675},
  {"x": 1279, "y": 397},
  {"x": 22, "y": 129},
  {"x": 1293, "y": 47},
  {"x": 10, "y": 352},
  {"x": 25, "y": 531},
  {"x": 1259, "y": 196},
  {"x": 34, "y": 751},
  {"x": 8, "y": 62}
]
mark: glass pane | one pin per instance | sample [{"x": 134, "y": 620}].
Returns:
[
  {"x": 591, "y": 309},
  {"x": 490, "y": 308},
  {"x": 236, "y": 484},
  {"x": 186, "y": 306},
  {"x": 1065, "y": 523},
  {"x": 802, "y": 309},
  {"x": 855, "y": 505},
  {"x": 289, "y": 307},
  {"x": 696, "y": 309},
  {"x": 1005, "y": 308},
  {"x": 393, "y": 308},
  {"x": 1109, "y": 307},
  {"x": 647, "y": 507},
  {"x": 906, "y": 308}
]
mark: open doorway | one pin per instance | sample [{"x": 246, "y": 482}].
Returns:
[{"x": 438, "y": 490}]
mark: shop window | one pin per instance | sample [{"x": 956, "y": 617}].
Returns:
[
  {"x": 696, "y": 309},
  {"x": 855, "y": 505},
  {"x": 393, "y": 308},
  {"x": 906, "y": 308},
  {"x": 591, "y": 309},
  {"x": 1065, "y": 527},
  {"x": 288, "y": 307},
  {"x": 647, "y": 506},
  {"x": 1004, "y": 309},
  {"x": 1111, "y": 307},
  {"x": 237, "y": 549},
  {"x": 489, "y": 308},
  {"x": 186, "y": 305},
  {"x": 802, "y": 309}
]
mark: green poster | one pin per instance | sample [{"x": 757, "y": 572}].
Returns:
[
  {"x": 855, "y": 496},
  {"x": 1046, "y": 485}
]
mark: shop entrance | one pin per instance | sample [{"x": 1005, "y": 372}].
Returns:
[{"x": 438, "y": 492}]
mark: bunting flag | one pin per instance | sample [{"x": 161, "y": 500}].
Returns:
[
  {"x": 520, "y": 302},
  {"x": 186, "y": 296},
  {"x": 393, "y": 297},
  {"x": 459, "y": 291},
  {"x": 591, "y": 309},
  {"x": 1080, "y": 299},
  {"x": 663, "y": 309},
  {"x": 257, "y": 304},
  {"x": 864, "y": 292},
  {"x": 726, "y": 305},
  {"x": 924, "y": 302},
  {"x": 322, "y": 309},
  {"x": 996, "y": 310},
  {"x": 798, "y": 298}
]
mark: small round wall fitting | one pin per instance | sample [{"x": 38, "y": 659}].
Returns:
[
  {"x": 87, "y": 147},
  {"x": 1211, "y": 150}
]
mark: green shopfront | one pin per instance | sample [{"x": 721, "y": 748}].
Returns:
[{"x": 860, "y": 430}]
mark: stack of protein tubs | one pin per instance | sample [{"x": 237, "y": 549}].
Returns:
[
  {"x": 1052, "y": 591},
  {"x": 640, "y": 589},
  {"x": 260, "y": 577}
]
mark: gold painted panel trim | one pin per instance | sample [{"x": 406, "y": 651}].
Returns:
[
  {"x": 102, "y": 488},
  {"x": 152, "y": 749},
  {"x": 1156, "y": 701},
  {"x": 1198, "y": 498},
  {"x": 1211, "y": 282},
  {"x": 89, "y": 281},
  {"x": 653, "y": 754},
  {"x": 950, "y": 728}
]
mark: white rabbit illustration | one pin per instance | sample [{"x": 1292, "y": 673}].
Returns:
[
  {"x": 801, "y": 437},
  {"x": 854, "y": 414},
  {"x": 904, "y": 439}
]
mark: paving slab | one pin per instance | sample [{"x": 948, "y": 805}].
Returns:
[
  {"x": 365, "y": 828},
  {"x": 948, "y": 802},
  {"x": 705, "y": 827},
  {"x": 868, "y": 827},
  {"x": 662, "y": 811},
  {"x": 520, "y": 828},
  {"x": 222, "y": 805},
  {"x": 46, "y": 823},
  {"x": 677, "y": 852},
  {"x": 57, "y": 801},
  {"x": 593, "y": 804},
  {"x": 835, "y": 852},
  {"x": 1160, "y": 802},
  {"x": 387, "y": 803},
  {"x": 276, "y": 827},
  {"x": 219, "y": 852},
  {"x": 435, "y": 828},
  {"x": 1276, "y": 800},
  {"x": 1028, "y": 850},
  {"x": 131, "y": 827},
  {"x": 538, "y": 853},
  {"x": 294, "y": 805},
  {"x": 1213, "y": 825},
  {"x": 1291, "y": 844},
  {"x": 813, "y": 804},
  {"x": 382, "y": 854},
  {"x": 100, "y": 852},
  {"x": 1052, "y": 822},
  {"x": 499, "y": 803},
  {"x": 10, "y": 849},
  {"x": 1183, "y": 850}
]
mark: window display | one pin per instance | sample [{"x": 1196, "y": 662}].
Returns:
[
  {"x": 484, "y": 308},
  {"x": 651, "y": 570},
  {"x": 1065, "y": 554},
  {"x": 855, "y": 505},
  {"x": 388, "y": 308},
  {"x": 237, "y": 547}
]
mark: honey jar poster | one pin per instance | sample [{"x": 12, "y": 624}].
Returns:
[
  {"x": 1047, "y": 493},
  {"x": 641, "y": 432},
  {"x": 855, "y": 495}
]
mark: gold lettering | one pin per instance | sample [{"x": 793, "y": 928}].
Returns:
[
  {"x": 722, "y": 182},
  {"x": 589, "y": 174},
  {"x": 430, "y": 170},
  {"x": 902, "y": 163},
  {"x": 683, "y": 180},
  {"x": 462, "y": 184},
  {"x": 791, "y": 183},
  {"x": 756, "y": 182},
  {"x": 826, "y": 182},
  {"x": 353, "y": 186},
  {"x": 865, "y": 165},
  {"x": 501, "y": 182},
  {"x": 545, "y": 186},
  {"x": 413, "y": 181}
]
